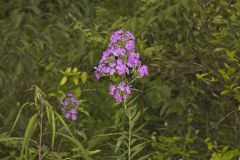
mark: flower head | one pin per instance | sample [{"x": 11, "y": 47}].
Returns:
[
  {"x": 73, "y": 111},
  {"x": 65, "y": 103},
  {"x": 121, "y": 86},
  {"x": 70, "y": 104},
  {"x": 112, "y": 89},
  {"x": 118, "y": 97},
  {"x": 67, "y": 115},
  {"x": 130, "y": 45},
  {"x": 120, "y": 92},
  {"x": 143, "y": 71},
  {"x": 128, "y": 89},
  {"x": 121, "y": 60},
  {"x": 69, "y": 94},
  {"x": 116, "y": 36},
  {"x": 74, "y": 117}
]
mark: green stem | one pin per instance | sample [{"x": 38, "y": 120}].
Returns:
[
  {"x": 40, "y": 157},
  {"x": 133, "y": 80},
  {"x": 129, "y": 132},
  {"x": 122, "y": 129},
  {"x": 129, "y": 140}
]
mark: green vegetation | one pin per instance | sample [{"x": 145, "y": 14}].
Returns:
[{"x": 188, "y": 108}]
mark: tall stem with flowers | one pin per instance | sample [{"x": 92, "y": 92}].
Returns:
[{"x": 121, "y": 62}]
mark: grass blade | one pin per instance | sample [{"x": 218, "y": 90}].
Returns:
[
  {"x": 64, "y": 123},
  {"x": 28, "y": 133},
  {"x": 53, "y": 128},
  {"x": 18, "y": 115}
]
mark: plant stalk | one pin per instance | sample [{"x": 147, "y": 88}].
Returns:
[
  {"x": 129, "y": 132},
  {"x": 40, "y": 157},
  {"x": 129, "y": 138}
]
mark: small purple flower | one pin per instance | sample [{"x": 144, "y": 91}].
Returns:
[
  {"x": 119, "y": 61},
  {"x": 77, "y": 103},
  {"x": 128, "y": 89},
  {"x": 112, "y": 71},
  {"x": 121, "y": 86},
  {"x": 128, "y": 36},
  {"x": 112, "y": 64},
  {"x": 73, "y": 99},
  {"x": 67, "y": 115},
  {"x": 66, "y": 103},
  {"x": 143, "y": 70},
  {"x": 122, "y": 51},
  {"x": 73, "y": 111},
  {"x": 69, "y": 94},
  {"x": 125, "y": 97},
  {"x": 74, "y": 117},
  {"x": 121, "y": 69},
  {"x": 112, "y": 89},
  {"x": 133, "y": 60},
  {"x": 130, "y": 46},
  {"x": 106, "y": 55},
  {"x": 118, "y": 97},
  {"x": 116, "y": 36},
  {"x": 97, "y": 73}
]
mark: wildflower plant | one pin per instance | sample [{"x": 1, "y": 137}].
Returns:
[
  {"x": 70, "y": 105},
  {"x": 121, "y": 60},
  {"x": 121, "y": 63},
  {"x": 70, "y": 95}
]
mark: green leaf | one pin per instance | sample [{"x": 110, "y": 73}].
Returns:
[
  {"x": 64, "y": 124},
  {"x": 18, "y": 115},
  {"x": 80, "y": 109},
  {"x": 18, "y": 20},
  {"x": 231, "y": 54},
  {"x": 94, "y": 152},
  {"x": 149, "y": 51},
  {"x": 229, "y": 155},
  {"x": 219, "y": 20},
  {"x": 75, "y": 80},
  {"x": 34, "y": 9},
  {"x": 28, "y": 133},
  {"x": 201, "y": 75},
  {"x": 48, "y": 111},
  {"x": 84, "y": 77},
  {"x": 77, "y": 91},
  {"x": 68, "y": 70},
  {"x": 120, "y": 142},
  {"x": 224, "y": 74},
  {"x": 7, "y": 139},
  {"x": 63, "y": 81},
  {"x": 18, "y": 68},
  {"x": 53, "y": 128},
  {"x": 218, "y": 49},
  {"x": 78, "y": 144},
  {"x": 136, "y": 149},
  {"x": 75, "y": 69}
]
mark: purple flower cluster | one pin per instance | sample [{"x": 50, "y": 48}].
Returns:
[
  {"x": 120, "y": 92},
  {"x": 70, "y": 104},
  {"x": 121, "y": 59}
]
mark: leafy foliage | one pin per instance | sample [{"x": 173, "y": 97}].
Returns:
[{"x": 187, "y": 108}]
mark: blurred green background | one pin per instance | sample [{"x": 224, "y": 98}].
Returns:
[{"x": 191, "y": 97}]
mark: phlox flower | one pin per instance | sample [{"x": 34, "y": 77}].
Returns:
[
  {"x": 121, "y": 60},
  {"x": 143, "y": 71},
  {"x": 120, "y": 92},
  {"x": 70, "y": 104}
]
